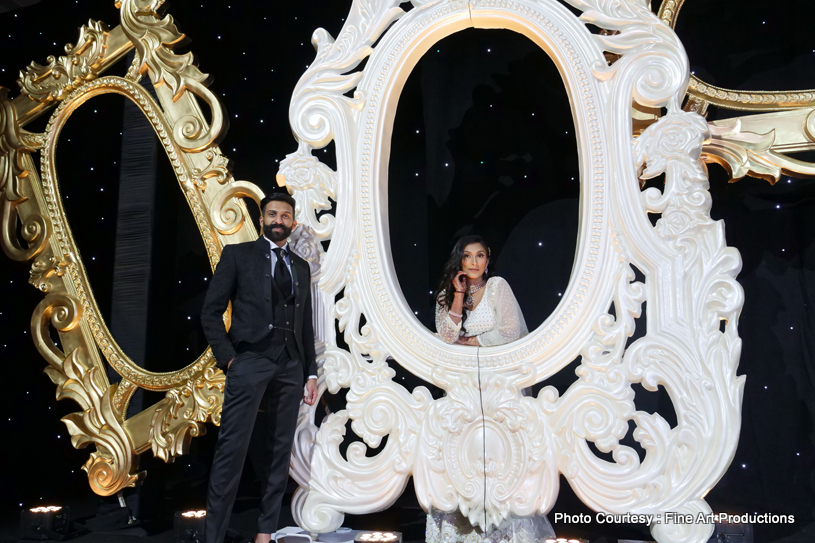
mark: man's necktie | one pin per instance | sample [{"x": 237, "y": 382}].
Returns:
[{"x": 281, "y": 272}]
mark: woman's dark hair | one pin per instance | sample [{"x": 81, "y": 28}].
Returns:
[
  {"x": 445, "y": 292},
  {"x": 276, "y": 196}
]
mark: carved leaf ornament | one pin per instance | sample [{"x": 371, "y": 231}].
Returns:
[
  {"x": 691, "y": 347},
  {"x": 485, "y": 449}
]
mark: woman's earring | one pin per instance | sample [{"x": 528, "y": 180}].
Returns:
[{"x": 486, "y": 270}]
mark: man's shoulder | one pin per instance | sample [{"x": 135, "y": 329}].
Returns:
[{"x": 244, "y": 246}]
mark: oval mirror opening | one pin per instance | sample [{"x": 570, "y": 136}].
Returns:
[
  {"x": 484, "y": 143},
  {"x": 143, "y": 254}
]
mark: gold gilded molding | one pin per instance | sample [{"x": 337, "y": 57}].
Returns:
[
  {"x": 219, "y": 168},
  {"x": 744, "y": 152},
  {"x": 758, "y": 144},
  {"x": 15, "y": 147},
  {"x": 154, "y": 38},
  {"x": 750, "y": 100},
  {"x": 109, "y": 468},
  {"x": 117, "y": 45},
  {"x": 63, "y": 74},
  {"x": 732, "y": 99},
  {"x": 183, "y": 413},
  {"x": 42, "y": 271},
  {"x": 65, "y": 241},
  {"x": 228, "y": 212},
  {"x": 121, "y": 399},
  {"x": 30, "y": 196},
  {"x": 668, "y": 11}
]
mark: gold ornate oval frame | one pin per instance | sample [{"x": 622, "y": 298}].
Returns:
[
  {"x": 78, "y": 282},
  {"x": 734, "y": 99},
  {"x": 31, "y": 197}
]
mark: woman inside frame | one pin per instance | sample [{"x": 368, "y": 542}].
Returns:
[
  {"x": 473, "y": 307},
  {"x": 478, "y": 309}
]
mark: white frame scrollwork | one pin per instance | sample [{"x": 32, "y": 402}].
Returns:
[{"x": 689, "y": 285}]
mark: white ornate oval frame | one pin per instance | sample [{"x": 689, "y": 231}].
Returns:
[
  {"x": 691, "y": 347},
  {"x": 557, "y": 342}
]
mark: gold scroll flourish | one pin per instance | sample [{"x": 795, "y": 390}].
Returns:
[
  {"x": 43, "y": 271},
  {"x": 219, "y": 168},
  {"x": 228, "y": 213},
  {"x": 98, "y": 421},
  {"x": 733, "y": 99},
  {"x": 109, "y": 467},
  {"x": 63, "y": 74},
  {"x": 744, "y": 153},
  {"x": 181, "y": 416},
  {"x": 15, "y": 145},
  {"x": 64, "y": 239},
  {"x": 64, "y": 313},
  {"x": 154, "y": 38}
]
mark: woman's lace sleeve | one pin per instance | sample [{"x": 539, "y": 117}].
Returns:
[
  {"x": 509, "y": 321},
  {"x": 447, "y": 329}
]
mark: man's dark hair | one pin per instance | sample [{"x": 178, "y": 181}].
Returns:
[{"x": 276, "y": 196}]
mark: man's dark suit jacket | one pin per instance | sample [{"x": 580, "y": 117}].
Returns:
[{"x": 244, "y": 275}]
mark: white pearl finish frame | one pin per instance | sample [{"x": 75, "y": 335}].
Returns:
[{"x": 690, "y": 288}]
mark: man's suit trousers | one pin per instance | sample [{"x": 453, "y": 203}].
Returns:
[{"x": 250, "y": 375}]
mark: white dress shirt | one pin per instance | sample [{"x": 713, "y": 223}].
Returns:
[{"x": 286, "y": 258}]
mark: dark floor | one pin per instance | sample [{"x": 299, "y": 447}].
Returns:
[
  {"x": 405, "y": 516},
  {"x": 408, "y": 519}
]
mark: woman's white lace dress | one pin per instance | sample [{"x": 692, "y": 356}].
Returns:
[{"x": 496, "y": 320}]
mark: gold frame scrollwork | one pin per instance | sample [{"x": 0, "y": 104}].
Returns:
[
  {"x": 30, "y": 196},
  {"x": 761, "y": 143},
  {"x": 704, "y": 93}
]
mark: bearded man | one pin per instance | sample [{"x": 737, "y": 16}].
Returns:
[{"x": 269, "y": 350}]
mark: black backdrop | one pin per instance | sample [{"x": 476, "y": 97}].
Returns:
[
  {"x": 484, "y": 143},
  {"x": 484, "y": 164}
]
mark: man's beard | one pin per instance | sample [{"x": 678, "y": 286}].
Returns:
[{"x": 277, "y": 235}]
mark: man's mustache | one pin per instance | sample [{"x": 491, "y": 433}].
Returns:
[{"x": 277, "y": 230}]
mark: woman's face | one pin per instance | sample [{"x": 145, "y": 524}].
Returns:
[{"x": 474, "y": 260}]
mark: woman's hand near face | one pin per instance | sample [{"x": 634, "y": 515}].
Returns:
[
  {"x": 460, "y": 282},
  {"x": 458, "y": 298}
]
